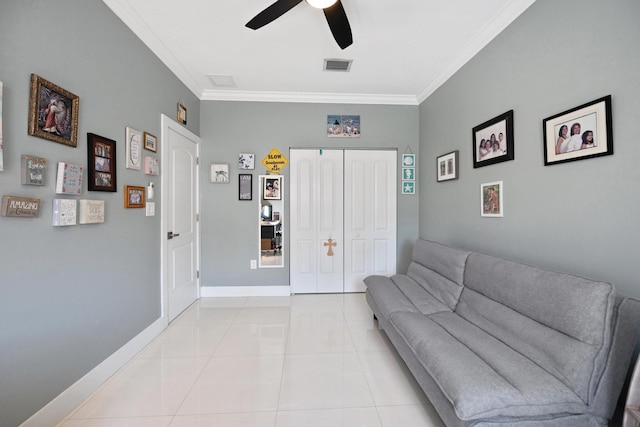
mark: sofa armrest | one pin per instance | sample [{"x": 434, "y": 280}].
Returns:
[{"x": 625, "y": 335}]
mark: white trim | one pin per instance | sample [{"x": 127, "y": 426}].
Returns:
[
  {"x": 308, "y": 97},
  {"x": 244, "y": 291},
  {"x": 63, "y": 404}
]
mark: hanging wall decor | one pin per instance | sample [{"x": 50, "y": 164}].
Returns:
[
  {"x": 493, "y": 141},
  {"x": 53, "y": 112}
]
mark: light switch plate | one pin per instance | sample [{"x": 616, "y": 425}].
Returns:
[{"x": 151, "y": 208}]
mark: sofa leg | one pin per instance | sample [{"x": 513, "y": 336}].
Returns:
[{"x": 374, "y": 317}]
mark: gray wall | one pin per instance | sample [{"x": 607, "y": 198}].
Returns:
[
  {"x": 579, "y": 217},
  {"x": 229, "y": 226},
  {"x": 70, "y": 297}
]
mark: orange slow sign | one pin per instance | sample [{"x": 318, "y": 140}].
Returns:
[{"x": 275, "y": 161}]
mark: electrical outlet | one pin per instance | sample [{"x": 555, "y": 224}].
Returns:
[{"x": 254, "y": 264}]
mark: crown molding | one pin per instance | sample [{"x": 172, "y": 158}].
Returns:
[{"x": 307, "y": 97}]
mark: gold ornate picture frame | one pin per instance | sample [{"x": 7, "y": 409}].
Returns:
[{"x": 53, "y": 112}]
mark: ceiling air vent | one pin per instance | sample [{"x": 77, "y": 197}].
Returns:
[
  {"x": 337, "y": 64},
  {"x": 222, "y": 80}
]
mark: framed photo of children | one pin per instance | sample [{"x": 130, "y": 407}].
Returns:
[
  {"x": 133, "y": 196},
  {"x": 102, "y": 163},
  {"x": 53, "y": 112},
  {"x": 491, "y": 199},
  {"x": 580, "y": 133},
  {"x": 493, "y": 141}
]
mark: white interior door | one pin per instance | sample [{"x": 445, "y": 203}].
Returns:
[
  {"x": 317, "y": 247},
  {"x": 348, "y": 196},
  {"x": 181, "y": 248},
  {"x": 370, "y": 210}
]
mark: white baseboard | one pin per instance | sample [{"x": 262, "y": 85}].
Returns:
[
  {"x": 56, "y": 410},
  {"x": 244, "y": 291}
]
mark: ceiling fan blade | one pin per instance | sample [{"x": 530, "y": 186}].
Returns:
[
  {"x": 339, "y": 24},
  {"x": 271, "y": 13}
]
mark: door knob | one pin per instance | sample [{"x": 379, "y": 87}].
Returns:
[{"x": 170, "y": 235}]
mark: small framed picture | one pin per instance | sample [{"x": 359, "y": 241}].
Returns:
[
  {"x": 101, "y": 156},
  {"x": 246, "y": 161},
  {"x": 151, "y": 165},
  {"x": 182, "y": 114},
  {"x": 493, "y": 141},
  {"x": 133, "y": 149},
  {"x": 408, "y": 160},
  {"x": 53, "y": 112},
  {"x": 150, "y": 142},
  {"x": 447, "y": 166},
  {"x": 408, "y": 187},
  {"x": 580, "y": 133},
  {"x": 409, "y": 174},
  {"x": 219, "y": 173},
  {"x": 245, "y": 186},
  {"x": 133, "y": 196},
  {"x": 271, "y": 190},
  {"x": 343, "y": 126},
  {"x": 491, "y": 199}
]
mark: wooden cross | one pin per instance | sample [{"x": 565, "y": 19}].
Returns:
[{"x": 331, "y": 244}]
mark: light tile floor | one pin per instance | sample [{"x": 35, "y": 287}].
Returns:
[{"x": 304, "y": 360}]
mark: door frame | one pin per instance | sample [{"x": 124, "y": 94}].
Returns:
[{"x": 168, "y": 123}]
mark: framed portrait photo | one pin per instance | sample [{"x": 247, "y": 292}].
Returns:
[
  {"x": 53, "y": 112},
  {"x": 580, "y": 133},
  {"x": 493, "y": 141},
  {"x": 133, "y": 196},
  {"x": 447, "y": 166},
  {"x": 101, "y": 157},
  {"x": 491, "y": 199},
  {"x": 272, "y": 187}
]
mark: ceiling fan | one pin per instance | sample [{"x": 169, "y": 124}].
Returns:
[{"x": 333, "y": 11}]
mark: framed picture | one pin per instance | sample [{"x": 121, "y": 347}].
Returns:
[
  {"x": 491, "y": 199},
  {"x": 493, "y": 141},
  {"x": 408, "y": 160},
  {"x": 133, "y": 196},
  {"x": 134, "y": 149},
  {"x": 53, "y": 112},
  {"x": 245, "y": 186},
  {"x": 246, "y": 161},
  {"x": 343, "y": 126},
  {"x": 150, "y": 142},
  {"x": 182, "y": 114},
  {"x": 271, "y": 190},
  {"x": 580, "y": 133},
  {"x": 101, "y": 158},
  {"x": 447, "y": 166},
  {"x": 151, "y": 165},
  {"x": 408, "y": 187},
  {"x": 219, "y": 173}
]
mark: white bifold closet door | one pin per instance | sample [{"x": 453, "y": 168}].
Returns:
[{"x": 343, "y": 218}]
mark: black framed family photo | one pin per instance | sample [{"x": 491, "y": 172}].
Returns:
[{"x": 493, "y": 141}]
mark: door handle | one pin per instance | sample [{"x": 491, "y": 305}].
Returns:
[{"x": 170, "y": 235}]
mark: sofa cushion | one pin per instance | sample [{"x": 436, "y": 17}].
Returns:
[
  {"x": 481, "y": 376},
  {"x": 387, "y": 296},
  {"x": 439, "y": 269},
  {"x": 418, "y": 295},
  {"x": 560, "y": 321}
]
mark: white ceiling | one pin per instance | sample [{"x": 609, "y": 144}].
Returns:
[{"x": 402, "y": 51}]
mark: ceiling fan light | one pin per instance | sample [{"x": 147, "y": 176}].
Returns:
[{"x": 321, "y": 4}]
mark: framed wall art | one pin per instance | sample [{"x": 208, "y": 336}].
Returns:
[
  {"x": 343, "y": 126},
  {"x": 133, "y": 196},
  {"x": 272, "y": 187},
  {"x": 1, "y": 155},
  {"x": 246, "y": 161},
  {"x": 53, "y": 112},
  {"x": 580, "y": 133},
  {"x": 219, "y": 173},
  {"x": 447, "y": 166},
  {"x": 150, "y": 142},
  {"x": 491, "y": 199},
  {"x": 133, "y": 149},
  {"x": 182, "y": 113},
  {"x": 101, "y": 159},
  {"x": 245, "y": 186},
  {"x": 493, "y": 141}
]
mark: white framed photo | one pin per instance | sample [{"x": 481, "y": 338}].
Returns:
[
  {"x": 491, "y": 199},
  {"x": 219, "y": 173}
]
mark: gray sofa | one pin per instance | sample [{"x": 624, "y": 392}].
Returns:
[{"x": 496, "y": 343}]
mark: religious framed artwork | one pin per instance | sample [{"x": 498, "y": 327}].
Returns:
[
  {"x": 133, "y": 149},
  {"x": 53, "y": 112},
  {"x": 583, "y": 132},
  {"x": 101, "y": 160},
  {"x": 133, "y": 196},
  {"x": 182, "y": 113},
  {"x": 245, "y": 186},
  {"x": 493, "y": 141}
]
